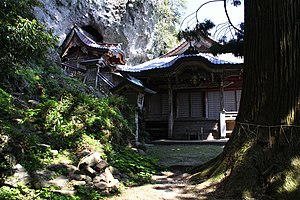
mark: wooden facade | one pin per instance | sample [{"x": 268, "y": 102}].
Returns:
[
  {"x": 86, "y": 56},
  {"x": 192, "y": 91}
]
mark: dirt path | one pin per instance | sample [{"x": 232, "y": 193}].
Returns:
[
  {"x": 165, "y": 186},
  {"x": 170, "y": 185}
]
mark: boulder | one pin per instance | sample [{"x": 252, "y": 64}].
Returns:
[
  {"x": 88, "y": 171},
  {"x": 41, "y": 178},
  {"x": 78, "y": 177},
  {"x": 101, "y": 165},
  {"x": 20, "y": 176},
  {"x": 114, "y": 170},
  {"x": 101, "y": 185},
  {"x": 60, "y": 181},
  {"x": 89, "y": 161}
]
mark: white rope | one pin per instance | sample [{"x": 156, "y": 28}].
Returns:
[
  {"x": 249, "y": 128},
  {"x": 267, "y": 126}
]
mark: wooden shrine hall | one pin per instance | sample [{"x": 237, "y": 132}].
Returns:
[{"x": 198, "y": 94}]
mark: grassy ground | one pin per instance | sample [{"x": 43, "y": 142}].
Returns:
[
  {"x": 173, "y": 183},
  {"x": 183, "y": 155}
]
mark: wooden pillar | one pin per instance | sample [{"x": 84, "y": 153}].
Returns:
[
  {"x": 171, "y": 110},
  {"x": 222, "y": 111},
  {"x": 139, "y": 103},
  {"x": 97, "y": 77},
  {"x": 136, "y": 127}
]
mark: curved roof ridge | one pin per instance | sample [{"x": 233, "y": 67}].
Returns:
[{"x": 166, "y": 62}]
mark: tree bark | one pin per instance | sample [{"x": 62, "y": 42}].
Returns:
[{"x": 262, "y": 157}]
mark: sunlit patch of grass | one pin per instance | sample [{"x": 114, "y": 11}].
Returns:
[
  {"x": 184, "y": 154},
  {"x": 64, "y": 156},
  {"x": 90, "y": 143}
]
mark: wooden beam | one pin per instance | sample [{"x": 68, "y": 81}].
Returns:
[
  {"x": 171, "y": 110},
  {"x": 222, "y": 111}
]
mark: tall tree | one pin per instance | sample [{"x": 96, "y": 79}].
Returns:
[
  {"x": 167, "y": 15},
  {"x": 262, "y": 157}
]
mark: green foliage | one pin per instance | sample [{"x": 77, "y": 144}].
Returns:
[
  {"x": 22, "y": 38},
  {"x": 75, "y": 121},
  {"x": 139, "y": 168},
  {"x": 46, "y": 193},
  {"x": 25, "y": 193},
  {"x": 5, "y": 102},
  {"x": 89, "y": 194},
  {"x": 72, "y": 121},
  {"x": 197, "y": 32},
  {"x": 168, "y": 13},
  {"x": 19, "y": 193},
  {"x": 233, "y": 45},
  {"x": 11, "y": 9}
]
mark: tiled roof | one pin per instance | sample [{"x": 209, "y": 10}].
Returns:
[
  {"x": 112, "y": 49},
  {"x": 166, "y": 62},
  {"x": 91, "y": 43}
]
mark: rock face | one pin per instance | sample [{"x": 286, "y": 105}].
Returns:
[{"x": 129, "y": 22}]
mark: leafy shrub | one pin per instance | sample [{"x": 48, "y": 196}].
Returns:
[
  {"x": 19, "y": 193},
  {"x": 25, "y": 193},
  {"x": 5, "y": 102},
  {"x": 23, "y": 39}
]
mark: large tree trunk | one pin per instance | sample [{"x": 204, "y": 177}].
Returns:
[{"x": 261, "y": 158}]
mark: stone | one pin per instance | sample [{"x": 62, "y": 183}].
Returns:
[
  {"x": 114, "y": 184},
  {"x": 78, "y": 183},
  {"x": 89, "y": 161},
  {"x": 64, "y": 192},
  {"x": 72, "y": 168},
  {"x": 89, "y": 171},
  {"x": 60, "y": 181},
  {"x": 114, "y": 170},
  {"x": 78, "y": 177},
  {"x": 101, "y": 185},
  {"x": 42, "y": 178},
  {"x": 99, "y": 178},
  {"x": 20, "y": 176},
  {"x": 101, "y": 165},
  {"x": 108, "y": 176}
]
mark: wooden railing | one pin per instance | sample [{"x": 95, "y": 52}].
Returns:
[{"x": 231, "y": 115}]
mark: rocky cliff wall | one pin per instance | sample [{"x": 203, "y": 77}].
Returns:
[{"x": 129, "y": 22}]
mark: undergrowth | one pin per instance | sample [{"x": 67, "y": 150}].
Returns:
[{"x": 52, "y": 122}]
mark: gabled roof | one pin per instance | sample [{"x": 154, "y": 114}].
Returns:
[
  {"x": 187, "y": 53},
  {"x": 167, "y": 62},
  {"x": 203, "y": 45},
  {"x": 79, "y": 37}
]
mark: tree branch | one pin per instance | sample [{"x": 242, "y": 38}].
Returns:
[
  {"x": 226, "y": 12},
  {"x": 197, "y": 11}
]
